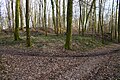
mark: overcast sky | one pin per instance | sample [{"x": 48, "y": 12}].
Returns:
[{"x": 75, "y": 10}]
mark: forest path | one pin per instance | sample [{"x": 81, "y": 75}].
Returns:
[{"x": 95, "y": 65}]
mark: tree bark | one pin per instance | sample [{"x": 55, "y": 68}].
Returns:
[
  {"x": 16, "y": 32},
  {"x": 28, "y": 41},
  {"x": 64, "y": 13},
  {"x": 12, "y": 8},
  {"x": 45, "y": 22},
  {"x": 112, "y": 21},
  {"x": 119, "y": 24},
  {"x": 21, "y": 16},
  {"x": 53, "y": 15},
  {"x": 116, "y": 20},
  {"x": 57, "y": 12},
  {"x": 69, "y": 24}
]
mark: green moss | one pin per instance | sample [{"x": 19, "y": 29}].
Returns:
[
  {"x": 16, "y": 32},
  {"x": 68, "y": 44}
]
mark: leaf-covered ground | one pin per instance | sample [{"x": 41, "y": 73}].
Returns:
[
  {"x": 97, "y": 65},
  {"x": 47, "y": 59}
]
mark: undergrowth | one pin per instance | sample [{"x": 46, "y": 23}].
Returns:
[{"x": 52, "y": 41}]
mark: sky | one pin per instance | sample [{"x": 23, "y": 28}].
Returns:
[
  {"x": 75, "y": 9},
  {"x": 109, "y": 2}
]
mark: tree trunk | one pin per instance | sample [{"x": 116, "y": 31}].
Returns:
[
  {"x": 45, "y": 22},
  {"x": 16, "y": 32},
  {"x": 8, "y": 12},
  {"x": 69, "y": 24},
  {"x": 95, "y": 16},
  {"x": 80, "y": 18},
  {"x": 116, "y": 20},
  {"x": 12, "y": 8},
  {"x": 112, "y": 21},
  {"x": 53, "y": 15},
  {"x": 0, "y": 18},
  {"x": 89, "y": 13},
  {"x": 101, "y": 20},
  {"x": 57, "y": 12},
  {"x": 27, "y": 25},
  {"x": 59, "y": 18},
  {"x": 64, "y": 13},
  {"x": 119, "y": 24},
  {"x": 21, "y": 17},
  {"x": 39, "y": 15}
]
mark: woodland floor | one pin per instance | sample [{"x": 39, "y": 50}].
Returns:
[{"x": 48, "y": 61}]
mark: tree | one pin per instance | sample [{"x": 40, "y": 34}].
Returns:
[
  {"x": 87, "y": 16},
  {"x": 39, "y": 14},
  {"x": 119, "y": 24},
  {"x": 12, "y": 8},
  {"x": 0, "y": 17},
  {"x": 64, "y": 13},
  {"x": 94, "y": 13},
  {"x": 8, "y": 13},
  {"x": 57, "y": 17},
  {"x": 45, "y": 20},
  {"x": 27, "y": 25},
  {"x": 21, "y": 16},
  {"x": 112, "y": 21},
  {"x": 69, "y": 24},
  {"x": 17, "y": 12},
  {"x": 80, "y": 18},
  {"x": 35, "y": 18},
  {"x": 116, "y": 17},
  {"x": 53, "y": 15},
  {"x": 100, "y": 21}
]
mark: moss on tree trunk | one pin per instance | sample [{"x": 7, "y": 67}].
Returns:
[
  {"x": 69, "y": 25},
  {"x": 16, "y": 32}
]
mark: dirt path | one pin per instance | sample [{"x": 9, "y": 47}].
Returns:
[{"x": 96, "y": 65}]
